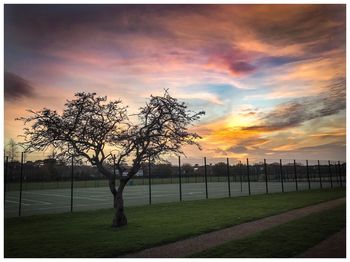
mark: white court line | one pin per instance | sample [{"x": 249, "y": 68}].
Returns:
[
  {"x": 16, "y": 202},
  {"x": 75, "y": 197}
]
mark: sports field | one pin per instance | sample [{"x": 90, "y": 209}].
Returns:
[{"x": 90, "y": 198}]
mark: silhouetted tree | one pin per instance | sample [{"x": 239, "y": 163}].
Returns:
[
  {"x": 11, "y": 149},
  {"x": 89, "y": 125}
]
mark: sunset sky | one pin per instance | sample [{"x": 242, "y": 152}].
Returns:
[{"x": 271, "y": 78}]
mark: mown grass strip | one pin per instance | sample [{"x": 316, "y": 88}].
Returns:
[
  {"x": 88, "y": 234},
  {"x": 286, "y": 240}
]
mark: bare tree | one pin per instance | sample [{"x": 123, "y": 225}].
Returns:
[
  {"x": 11, "y": 149},
  {"x": 92, "y": 128}
]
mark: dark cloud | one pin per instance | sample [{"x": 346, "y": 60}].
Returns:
[
  {"x": 295, "y": 112},
  {"x": 315, "y": 24},
  {"x": 241, "y": 67},
  {"x": 16, "y": 87}
]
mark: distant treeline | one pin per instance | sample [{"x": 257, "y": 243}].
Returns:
[{"x": 54, "y": 170}]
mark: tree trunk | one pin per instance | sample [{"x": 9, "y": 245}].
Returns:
[{"x": 119, "y": 219}]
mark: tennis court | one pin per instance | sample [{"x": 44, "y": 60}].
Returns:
[{"x": 92, "y": 198}]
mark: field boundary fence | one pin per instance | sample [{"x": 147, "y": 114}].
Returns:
[{"x": 44, "y": 184}]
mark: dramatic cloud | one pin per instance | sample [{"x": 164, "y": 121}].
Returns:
[
  {"x": 296, "y": 112},
  {"x": 16, "y": 87},
  {"x": 270, "y": 77}
]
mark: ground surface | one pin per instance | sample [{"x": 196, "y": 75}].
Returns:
[
  {"x": 285, "y": 240},
  {"x": 47, "y": 201},
  {"x": 203, "y": 242},
  {"x": 332, "y": 247},
  {"x": 90, "y": 235}
]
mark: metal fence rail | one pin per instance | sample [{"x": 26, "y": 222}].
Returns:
[{"x": 36, "y": 185}]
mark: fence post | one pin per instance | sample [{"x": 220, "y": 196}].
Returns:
[
  {"x": 295, "y": 176},
  {"x": 281, "y": 175},
  {"x": 180, "y": 188},
  {"x": 228, "y": 178},
  {"x": 71, "y": 184},
  {"x": 339, "y": 168},
  {"x": 5, "y": 174},
  {"x": 205, "y": 177},
  {"x": 240, "y": 175},
  {"x": 265, "y": 171},
  {"x": 248, "y": 176},
  {"x": 319, "y": 173},
  {"x": 307, "y": 173},
  {"x": 330, "y": 172},
  {"x": 149, "y": 181},
  {"x": 20, "y": 186}
]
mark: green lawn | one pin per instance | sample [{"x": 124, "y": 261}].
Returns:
[
  {"x": 286, "y": 240},
  {"x": 88, "y": 234}
]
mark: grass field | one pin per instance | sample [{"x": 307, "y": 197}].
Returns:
[
  {"x": 283, "y": 241},
  {"x": 88, "y": 233},
  {"x": 46, "y": 201}
]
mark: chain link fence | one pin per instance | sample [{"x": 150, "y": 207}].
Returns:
[{"x": 39, "y": 183}]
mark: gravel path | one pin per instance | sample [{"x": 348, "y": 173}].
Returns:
[
  {"x": 200, "y": 243},
  {"x": 332, "y": 247}
]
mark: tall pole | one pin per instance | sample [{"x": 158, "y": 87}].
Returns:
[
  {"x": 149, "y": 181},
  {"x": 20, "y": 186},
  {"x": 71, "y": 184},
  {"x": 5, "y": 174},
  {"x": 240, "y": 175},
  {"x": 295, "y": 176},
  {"x": 265, "y": 171},
  {"x": 248, "y": 176},
  {"x": 330, "y": 172},
  {"x": 307, "y": 173},
  {"x": 281, "y": 175},
  {"x": 205, "y": 177},
  {"x": 339, "y": 173},
  {"x": 180, "y": 188},
  {"x": 228, "y": 177},
  {"x": 319, "y": 173}
]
